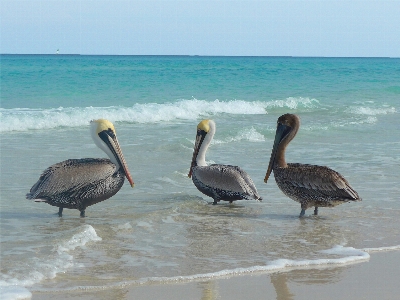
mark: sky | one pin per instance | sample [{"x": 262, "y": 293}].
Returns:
[{"x": 218, "y": 27}]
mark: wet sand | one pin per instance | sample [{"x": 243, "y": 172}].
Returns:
[{"x": 377, "y": 278}]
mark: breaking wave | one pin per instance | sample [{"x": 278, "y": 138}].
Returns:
[
  {"x": 14, "y": 287},
  {"x": 22, "y": 119},
  {"x": 343, "y": 256}
]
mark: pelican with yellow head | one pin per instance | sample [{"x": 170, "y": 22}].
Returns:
[
  {"x": 220, "y": 182},
  {"x": 79, "y": 183}
]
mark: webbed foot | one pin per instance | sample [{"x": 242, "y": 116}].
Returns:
[
  {"x": 303, "y": 211},
  {"x": 82, "y": 213}
]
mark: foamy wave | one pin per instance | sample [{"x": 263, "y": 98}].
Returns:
[
  {"x": 41, "y": 269},
  {"x": 37, "y": 119},
  {"x": 382, "y": 249},
  {"x": 294, "y": 103},
  {"x": 353, "y": 121},
  {"x": 14, "y": 293},
  {"x": 125, "y": 226},
  {"x": 79, "y": 240},
  {"x": 251, "y": 135},
  {"x": 349, "y": 255},
  {"x": 370, "y": 111}
]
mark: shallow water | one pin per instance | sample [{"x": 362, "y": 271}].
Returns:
[{"x": 164, "y": 228}]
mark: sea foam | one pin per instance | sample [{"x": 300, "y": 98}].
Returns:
[
  {"x": 22, "y": 119},
  {"x": 347, "y": 256},
  {"x": 247, "y": 134},
  {"x": 371, "y": 111},
  {"x": 14, "y": 286},
  {"x": 14, "y": 293}
]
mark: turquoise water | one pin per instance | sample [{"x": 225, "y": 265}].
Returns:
[
  {"x": 52, "y": 81},
  {"x": 164, "y": 228}
]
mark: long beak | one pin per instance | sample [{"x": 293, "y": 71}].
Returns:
[
  {"x": 281, "y": 133},
  {"x": 197, "y": 144},
  {"x": 113, "y": 144}
]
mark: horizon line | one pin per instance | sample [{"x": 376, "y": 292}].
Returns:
[{"x": 198, "y": 55}]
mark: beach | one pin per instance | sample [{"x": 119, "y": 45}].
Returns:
[
  {"x": 375, "y": 278},
  {"x": 163, "y": 237}
]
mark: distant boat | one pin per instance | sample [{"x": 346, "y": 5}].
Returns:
[{"x": 57, "y": 51}]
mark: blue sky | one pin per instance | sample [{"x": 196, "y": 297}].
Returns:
[{"x": 217, "y": 27}]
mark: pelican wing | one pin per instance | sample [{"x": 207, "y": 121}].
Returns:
[
  {"x": 319, "y": 180},
  {"x": 70, "y": 176},
  {"x": 247, "y": 179},
  {"x": 226, "y": 177}
]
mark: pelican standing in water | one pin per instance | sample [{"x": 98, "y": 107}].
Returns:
[
  {"x": 220, "y": 182},
  {"x": 79, "y": 183},
  {"x": 310, "y": 185}
]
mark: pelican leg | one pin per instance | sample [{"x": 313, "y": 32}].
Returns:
[
  {"x": 303, "y": 211},
  {"x": 60, "y": 210},
  {"x": 82, "y": 213},
  {"x": 216, "y": 198},
  {"x": 316, "y": 211}
]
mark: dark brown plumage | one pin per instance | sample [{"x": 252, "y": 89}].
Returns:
[{"x": 310, "y": 185}]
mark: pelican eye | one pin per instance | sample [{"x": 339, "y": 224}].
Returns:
[
  {"x": 201, "y": 132},
  {"x": 111, "y": 133}
]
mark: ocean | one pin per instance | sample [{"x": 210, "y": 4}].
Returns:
[{"x": 164, "y": 230}]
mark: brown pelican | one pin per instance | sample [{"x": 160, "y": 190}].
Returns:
[
  {"x": 220, "y": 182},
  {"x": 308, "y": 184},
  {"x": 79, "y": 183}
]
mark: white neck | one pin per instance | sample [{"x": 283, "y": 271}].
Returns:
[{"x": 201, "y": 156}]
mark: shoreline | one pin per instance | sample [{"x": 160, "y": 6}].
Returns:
[{"x": 376, "y": 278}]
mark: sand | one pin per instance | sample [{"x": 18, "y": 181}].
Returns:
[{"x": 378, "y": 278}]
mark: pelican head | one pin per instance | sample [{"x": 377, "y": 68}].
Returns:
[
  {"x": 287, "y": 127},
  {"x": 104, "y": 136},
  {"x": 205, "y": 133}
]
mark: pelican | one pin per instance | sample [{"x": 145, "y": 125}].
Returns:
[
  {"x": 79, "y": 183},
  {"x": 310, "y": 185},
  {"x": 220, "y": 182}
]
